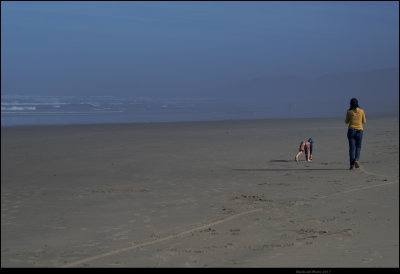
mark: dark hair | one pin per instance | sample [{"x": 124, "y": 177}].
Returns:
[{"x": 353, "y": 104}]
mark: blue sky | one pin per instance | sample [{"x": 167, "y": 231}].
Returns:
[{"x": 153, "y": 48}]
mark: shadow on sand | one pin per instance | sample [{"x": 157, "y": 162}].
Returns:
[{"x": 285, "y": 169}]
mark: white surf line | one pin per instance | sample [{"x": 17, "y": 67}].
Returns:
[
  {"x": 135, "y": 246},
  {"x": 183, "y": 233}
]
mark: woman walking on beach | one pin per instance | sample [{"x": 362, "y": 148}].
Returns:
[{"x": 355, "y": 117}]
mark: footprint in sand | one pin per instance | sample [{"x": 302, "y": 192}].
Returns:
[{"x": 235, "y": 231}]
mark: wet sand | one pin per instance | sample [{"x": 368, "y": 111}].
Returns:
[{"x": 203, "y": 194}]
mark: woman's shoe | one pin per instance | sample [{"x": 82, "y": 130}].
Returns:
[{"x": 357, "y": 164}]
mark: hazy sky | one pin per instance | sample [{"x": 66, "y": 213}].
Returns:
[{"x": 139, "y": 48}]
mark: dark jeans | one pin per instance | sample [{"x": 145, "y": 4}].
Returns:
[{"x": 355, "y": 139}]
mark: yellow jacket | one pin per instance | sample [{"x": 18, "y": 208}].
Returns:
[{"x": 355, "y": 118}]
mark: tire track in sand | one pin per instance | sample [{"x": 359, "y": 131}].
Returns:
[{"x": 134, "y": 246}]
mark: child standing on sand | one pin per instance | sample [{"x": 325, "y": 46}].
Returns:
[{"x": 305, "y": 146}]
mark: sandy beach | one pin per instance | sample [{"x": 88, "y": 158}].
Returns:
[{"x": 199, "y": 194}]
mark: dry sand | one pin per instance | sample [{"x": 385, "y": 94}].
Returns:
[{"x": 205, "y": 194}]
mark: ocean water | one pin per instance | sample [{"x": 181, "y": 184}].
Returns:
[{"x": 19, "y": 110}]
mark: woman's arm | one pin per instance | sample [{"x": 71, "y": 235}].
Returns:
[
  {"x": 363, "y": 118},
  {"x": 347, "y": 118}
]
